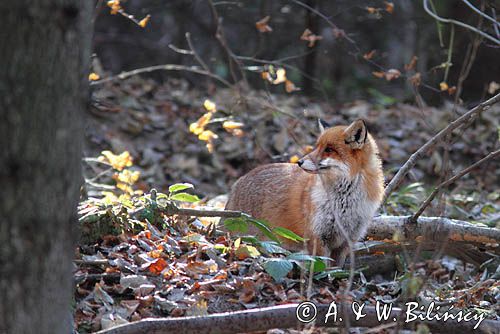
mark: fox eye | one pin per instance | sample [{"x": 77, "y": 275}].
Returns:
[{"x": 329, "y": 149}]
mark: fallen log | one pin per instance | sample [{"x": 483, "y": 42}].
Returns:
[
  {"x": 285, "y": 316},
  {"x": 435, "y": 229}
]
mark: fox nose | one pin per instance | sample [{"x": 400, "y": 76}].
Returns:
[{"x": 300, "y": 162}]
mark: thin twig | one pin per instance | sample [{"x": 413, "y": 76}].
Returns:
[
  {"x": 195, "y": 54},
  {"x": 486, "y": 16},
  {"x": 471, "y": 114},
  {"x": 165, "y": 67},
  {"x": 463, "y": 25},
  {"x": 221, "y": 37},
  {"x": 446, "y": 183}
]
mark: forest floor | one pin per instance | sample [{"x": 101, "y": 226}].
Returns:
[{"x": 136, "y": 262}]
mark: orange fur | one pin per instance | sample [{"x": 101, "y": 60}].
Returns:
[{"x": 282, "y": 193}]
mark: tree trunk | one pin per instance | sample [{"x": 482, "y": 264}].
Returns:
[{"x": 44, "y": 56}]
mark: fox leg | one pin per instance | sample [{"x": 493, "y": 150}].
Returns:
[{"x": 339, "y": 254}]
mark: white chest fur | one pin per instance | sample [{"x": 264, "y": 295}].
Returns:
[{"x": 343, "y": 205}]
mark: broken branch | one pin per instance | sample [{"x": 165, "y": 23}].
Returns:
[{"x": 284, "y": 316}]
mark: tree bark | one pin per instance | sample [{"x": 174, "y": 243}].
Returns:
[{"x": 44, "y": 57}]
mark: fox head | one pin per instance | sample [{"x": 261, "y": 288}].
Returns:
[{"x": 341, "y": 150}]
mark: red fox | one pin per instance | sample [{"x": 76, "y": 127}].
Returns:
[{"x": 339, "y": 185}]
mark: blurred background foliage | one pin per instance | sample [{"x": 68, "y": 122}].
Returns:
[{"x": 333, "y": 68}]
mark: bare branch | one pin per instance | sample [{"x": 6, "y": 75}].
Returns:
[
  {"x": 468, "y": 116},
  {"x": 436, "y": 229},
  {"x": 285, "y": 316},
  {"x": 486, "y": 16},
  {"x": 166, "y": 67},
  {"x": 458, "y": 23},
  {"x": 446, "y": 183}
]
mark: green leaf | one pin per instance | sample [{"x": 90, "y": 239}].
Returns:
[
  {"x": 300, "y": 257},
  {"x": 179, "y": 186},
  {"x": 304, "y": 261},
  {"x": 185, "y": 197},
  {"x": 336, "y": 273},
  {"x": 236, "y": 224},
  {"x": 319, "y": 265},
  {"x": 271, "y": 247},
  {"x": 264, "y": 227},
  {"x": 278, "y": 268},
  {"x": 286, "y": 233}
]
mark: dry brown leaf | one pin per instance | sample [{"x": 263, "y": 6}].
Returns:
[
  {"x": 416, "y": 79},
  {"x": 263, "y": 26},
  {"x": 389, "y": 7},
  {"x": 157, "y": 266},
  {"x": 307, "y": 35},
  {"x": 369, "y": 55},
  {"x": 338, "y": 33},
  {"x": 392, "y": 74},
  {"x": 411, "y": 65},
  {"x": 290, "y": 87}
]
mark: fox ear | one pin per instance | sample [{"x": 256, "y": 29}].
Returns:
[
  {"x": 322, "y": 125},
  {"x": 356, "y": 134}
]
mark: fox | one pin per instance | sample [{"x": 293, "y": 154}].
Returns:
[{"x": 328, "y": 197}]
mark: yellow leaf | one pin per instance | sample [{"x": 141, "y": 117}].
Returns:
[
  {"x": 207, "y": 135},
  {"x": 144, "y": 21},
  {"x": 94, "y": 76},
  {"x": 115, "y": 6},
  {"x": 199, "y": 126},
  {"x": 294, "y": 159},
  {"x": 118, "y": 162},
  {"x": 209, "y": 105},
  {"x": 443, "y": 86},
  {"x": 280, "y": 76},
  {"x": 125, "y": 187},
  {"x": 127, "y": 176}
]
